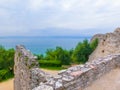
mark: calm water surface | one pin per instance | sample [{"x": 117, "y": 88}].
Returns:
[{"x": 40, "y": 44}]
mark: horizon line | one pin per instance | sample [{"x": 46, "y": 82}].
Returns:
[{"x": 47, "y": 36}]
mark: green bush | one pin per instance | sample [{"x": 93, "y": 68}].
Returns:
[
  {"x": 6, "y": 63},
  {"x": 50, "y": 63},
  {"x": 83, "y": 50},
  {"x": 5, "y": 74},
  {"x": 58, "y": 54}
]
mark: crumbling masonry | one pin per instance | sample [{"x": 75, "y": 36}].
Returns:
[
  {"x": 28, "y": 75},
  {"x": 109, "y": 44}
]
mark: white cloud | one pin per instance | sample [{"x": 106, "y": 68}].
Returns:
[
  {"x": 35, "y": 4},
  {"x": 76, "y": 15},
  {"x": 89, "y": 14}
]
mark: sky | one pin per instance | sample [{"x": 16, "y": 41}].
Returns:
[{"x": 58, "y": 17}]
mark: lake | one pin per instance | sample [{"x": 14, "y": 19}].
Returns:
[{"x": 39, "y": 45}]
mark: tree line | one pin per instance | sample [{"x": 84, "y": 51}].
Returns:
[{"x": 79, "y": 54}]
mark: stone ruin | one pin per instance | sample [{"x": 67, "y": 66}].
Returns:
[
  {"x": 109, "y": 44},
  {"x": 28, "y": 75}
]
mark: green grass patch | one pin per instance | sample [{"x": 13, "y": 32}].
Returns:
[
  {"x": 52, "y": 68},
  {"x": 50, "y": 63}
]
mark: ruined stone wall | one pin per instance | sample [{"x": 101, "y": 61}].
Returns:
[
  {"x": 24, "y": 62},
  {"x": 29, "y": 77},
  {"x": 108, "y": 44}
]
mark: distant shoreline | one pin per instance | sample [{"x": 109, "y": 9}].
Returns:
[{"x": 45, "y": 37}]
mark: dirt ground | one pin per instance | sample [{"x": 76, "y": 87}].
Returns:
[
  {"x": 8, "y": 85},
  {"x": 110, "y": 81}
]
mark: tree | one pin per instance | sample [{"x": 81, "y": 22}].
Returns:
[
  {"x": 78, "y": 55},
  {"x": 6, "y": 63},
  {"x": 82, "y": 52},
  {"x": 94, "y": 44},
  {"x": 40, "y": 56},
  {"x": 58, "y": 54}
]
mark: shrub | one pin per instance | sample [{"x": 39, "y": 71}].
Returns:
[
  {"x": 5, "y": 74},
  {"x": 50, "y": 63},
  {"x": 6, "y": 63}
]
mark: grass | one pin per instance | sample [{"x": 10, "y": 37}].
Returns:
[{"x": 52, "y": 68}]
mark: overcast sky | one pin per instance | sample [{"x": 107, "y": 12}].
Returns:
[{"x": 58, "y": 17}]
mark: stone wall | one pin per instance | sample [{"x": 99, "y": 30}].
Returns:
[
  {"x": 29, "y": 77},
  {"x": 24, "y": 62},
  {"x": 109, "y": 44}
]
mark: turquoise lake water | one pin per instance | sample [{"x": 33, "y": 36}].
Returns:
[{"x": 39, "y": 45}]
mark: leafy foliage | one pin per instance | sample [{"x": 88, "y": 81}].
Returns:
[
  {"x": 78, "y": 55},
  {"x": 94, "y": 44},
  {"x": 6, "y": 63},
  {"x": 58, "y": 54},
  {"x": 50, "y": 63},
  {"x": 82, "y": 52}
]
